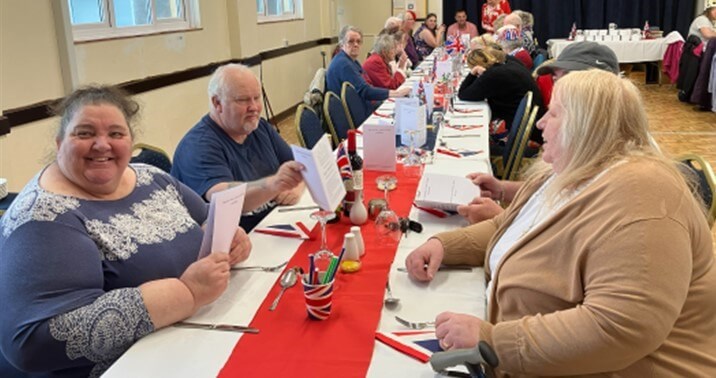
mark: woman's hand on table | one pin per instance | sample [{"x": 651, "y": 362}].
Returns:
[
  {"x": 240, "y": 247},
  {"x": 207, "y": 278},
  {"x": 479, "y": 209},
  {"x": 424, "y": 261},
  {"x": 457, "y": 331}
]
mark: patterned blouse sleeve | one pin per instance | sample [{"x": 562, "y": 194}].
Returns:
[{"x": 56, "y": 314}]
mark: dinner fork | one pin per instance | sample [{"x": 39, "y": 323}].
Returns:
[
  {"x": 261, "y": 268},
  {"x": 414, "y": 325}
]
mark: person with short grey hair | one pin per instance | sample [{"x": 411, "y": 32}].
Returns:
[
  {"x": 527, "y": 38},
  {"x": 233, "y": 144},
  {"x": 381, "y": 69},
  {"x": 345, "y": 67}
]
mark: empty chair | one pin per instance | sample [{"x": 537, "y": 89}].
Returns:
[
  {"x": 308, "y": 126},
  {"x": 706, "y": 182},
  {"x": 516, "y": 156},
  {"x": 152, "y": 155},
  {"x": 336, "y": 117},
  {"x": 354, "y": 105},
  {"x": 500, "y": 154}
]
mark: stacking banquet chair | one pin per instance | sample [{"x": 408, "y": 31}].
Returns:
[
  {"x": 152, "y": 155},
  {"x": 354, "y": 105},
  {"x": 706, "y": 182},
  {"x": 500, "y": 154},
  {"x": 516, "y": 156},
  {"x": 308, "y": 126},
  {"x": 336, "y": 117}
]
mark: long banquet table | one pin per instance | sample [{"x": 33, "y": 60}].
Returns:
[{"x": 180, "y": 352}]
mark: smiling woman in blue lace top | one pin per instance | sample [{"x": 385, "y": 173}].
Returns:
[{"x": 95, "y": 253}]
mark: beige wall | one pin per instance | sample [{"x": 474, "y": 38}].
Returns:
[{"x": 30, "y": 69}]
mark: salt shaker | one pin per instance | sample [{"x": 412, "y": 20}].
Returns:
[{"x": 355, "y": 230}]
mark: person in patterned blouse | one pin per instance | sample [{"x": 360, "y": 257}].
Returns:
[
  {"x": 490, "y": 11},
  {"x": 96, "y": 253}
]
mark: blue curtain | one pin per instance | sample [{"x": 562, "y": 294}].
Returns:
[{"x": 554, "y": 18}]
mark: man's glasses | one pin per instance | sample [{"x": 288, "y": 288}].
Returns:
[{"x": 354, "y": 42}]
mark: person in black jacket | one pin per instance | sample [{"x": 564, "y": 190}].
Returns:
[{"x": 502, "y": 83}]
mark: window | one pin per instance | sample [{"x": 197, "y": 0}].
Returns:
[
  {"x": 100, "y": 19},
  {"x": 279, "y": 10}
]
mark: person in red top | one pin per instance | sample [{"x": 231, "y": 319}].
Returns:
[
  {"x": 380, "y": 69},
  {"x": 491, "y": 10}
]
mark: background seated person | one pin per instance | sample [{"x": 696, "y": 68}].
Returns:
[
  {"x": 96, "y": 253},
  {"x": 345, "y": 67},
  {"x": 577, "y": 56},
  {"x": 428, "y": 36},
  {"x": 703, "y": 25},
  {"x": 491, "y": 10},
  {"x": 528, "y": 42},
  {"x": 604, "y": 262},
  {"x": 462, "y": 25},
  {"x": 380, "y": 69},
  {"x": 509, "y": 38},
  {"x": 406, "y": 27},
  {"x": 233, "y": 144},
  {"x": 482, "y": 41},
  {"x": 503, "y": 84}
]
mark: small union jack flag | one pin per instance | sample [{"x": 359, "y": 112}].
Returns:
[
  {"x": 453, "y": 45},
  {"x": 289, "y": 230},
  {"x": 344, "y": 165}
]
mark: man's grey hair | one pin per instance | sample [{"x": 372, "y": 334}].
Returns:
[
  {"x": 344, "y": 32},
  {"x": 218, "y": 81},
  {"x": 513, "y": 19}
]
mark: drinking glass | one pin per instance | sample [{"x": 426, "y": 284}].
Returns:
[
  {"x": 412, "y": 159},
  {"x": 387, "y": 223},
  {"x": 324, "y": 255}
]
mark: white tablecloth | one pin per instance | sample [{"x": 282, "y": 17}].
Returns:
[
  {"x": 647, "y": 50},
  {"x": 179, "y": 352}
]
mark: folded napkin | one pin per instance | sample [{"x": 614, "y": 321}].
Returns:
[
  {"x": 289, "y": 230},
  {"x": 417, "y": 344}
]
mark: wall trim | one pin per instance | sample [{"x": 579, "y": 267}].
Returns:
[{"x": 41, "y": 110}]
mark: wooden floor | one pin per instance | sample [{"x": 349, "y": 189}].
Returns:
[{"x": 677, "y": 127}]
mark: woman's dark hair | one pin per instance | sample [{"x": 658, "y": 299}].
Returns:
[{"x": 95, "y": 95}]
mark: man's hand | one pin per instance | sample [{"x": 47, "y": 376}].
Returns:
[
  {"x": 287, "y": 177},
  {"x": 291, "y": 196}
]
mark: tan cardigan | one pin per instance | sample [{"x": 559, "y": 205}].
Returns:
[{"x": 618, "y": 282}]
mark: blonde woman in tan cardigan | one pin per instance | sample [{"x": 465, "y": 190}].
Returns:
[{"x": 603, "y": 264}]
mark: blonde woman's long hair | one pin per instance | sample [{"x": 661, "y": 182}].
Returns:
[
  {"x": 485, "y": 57},
  {"x": 604, "y": 123}
]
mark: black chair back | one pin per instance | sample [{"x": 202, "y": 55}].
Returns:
[
  {"x": 704, "y": 173},
  {"x": 152, "y": 155},
  {"x": 336, "y": 116},
  {"x": 308, "y": 126},
  {"x": 354, "y": 105},
  {"x": 512, "y": 168},
  {"x": 510, "y": 149}
]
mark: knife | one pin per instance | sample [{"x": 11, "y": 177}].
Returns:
[
  {"x": 443, "y": 268},
  {"x": 217, "y": 327}
]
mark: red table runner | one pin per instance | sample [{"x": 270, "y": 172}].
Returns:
[{"x": 290, "y": 344}]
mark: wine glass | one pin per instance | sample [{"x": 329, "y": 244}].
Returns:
[
  {"x": 412, "y": 159},
  {"x": 323, "y": 257},
  {"x": 387, "y": 223}
]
